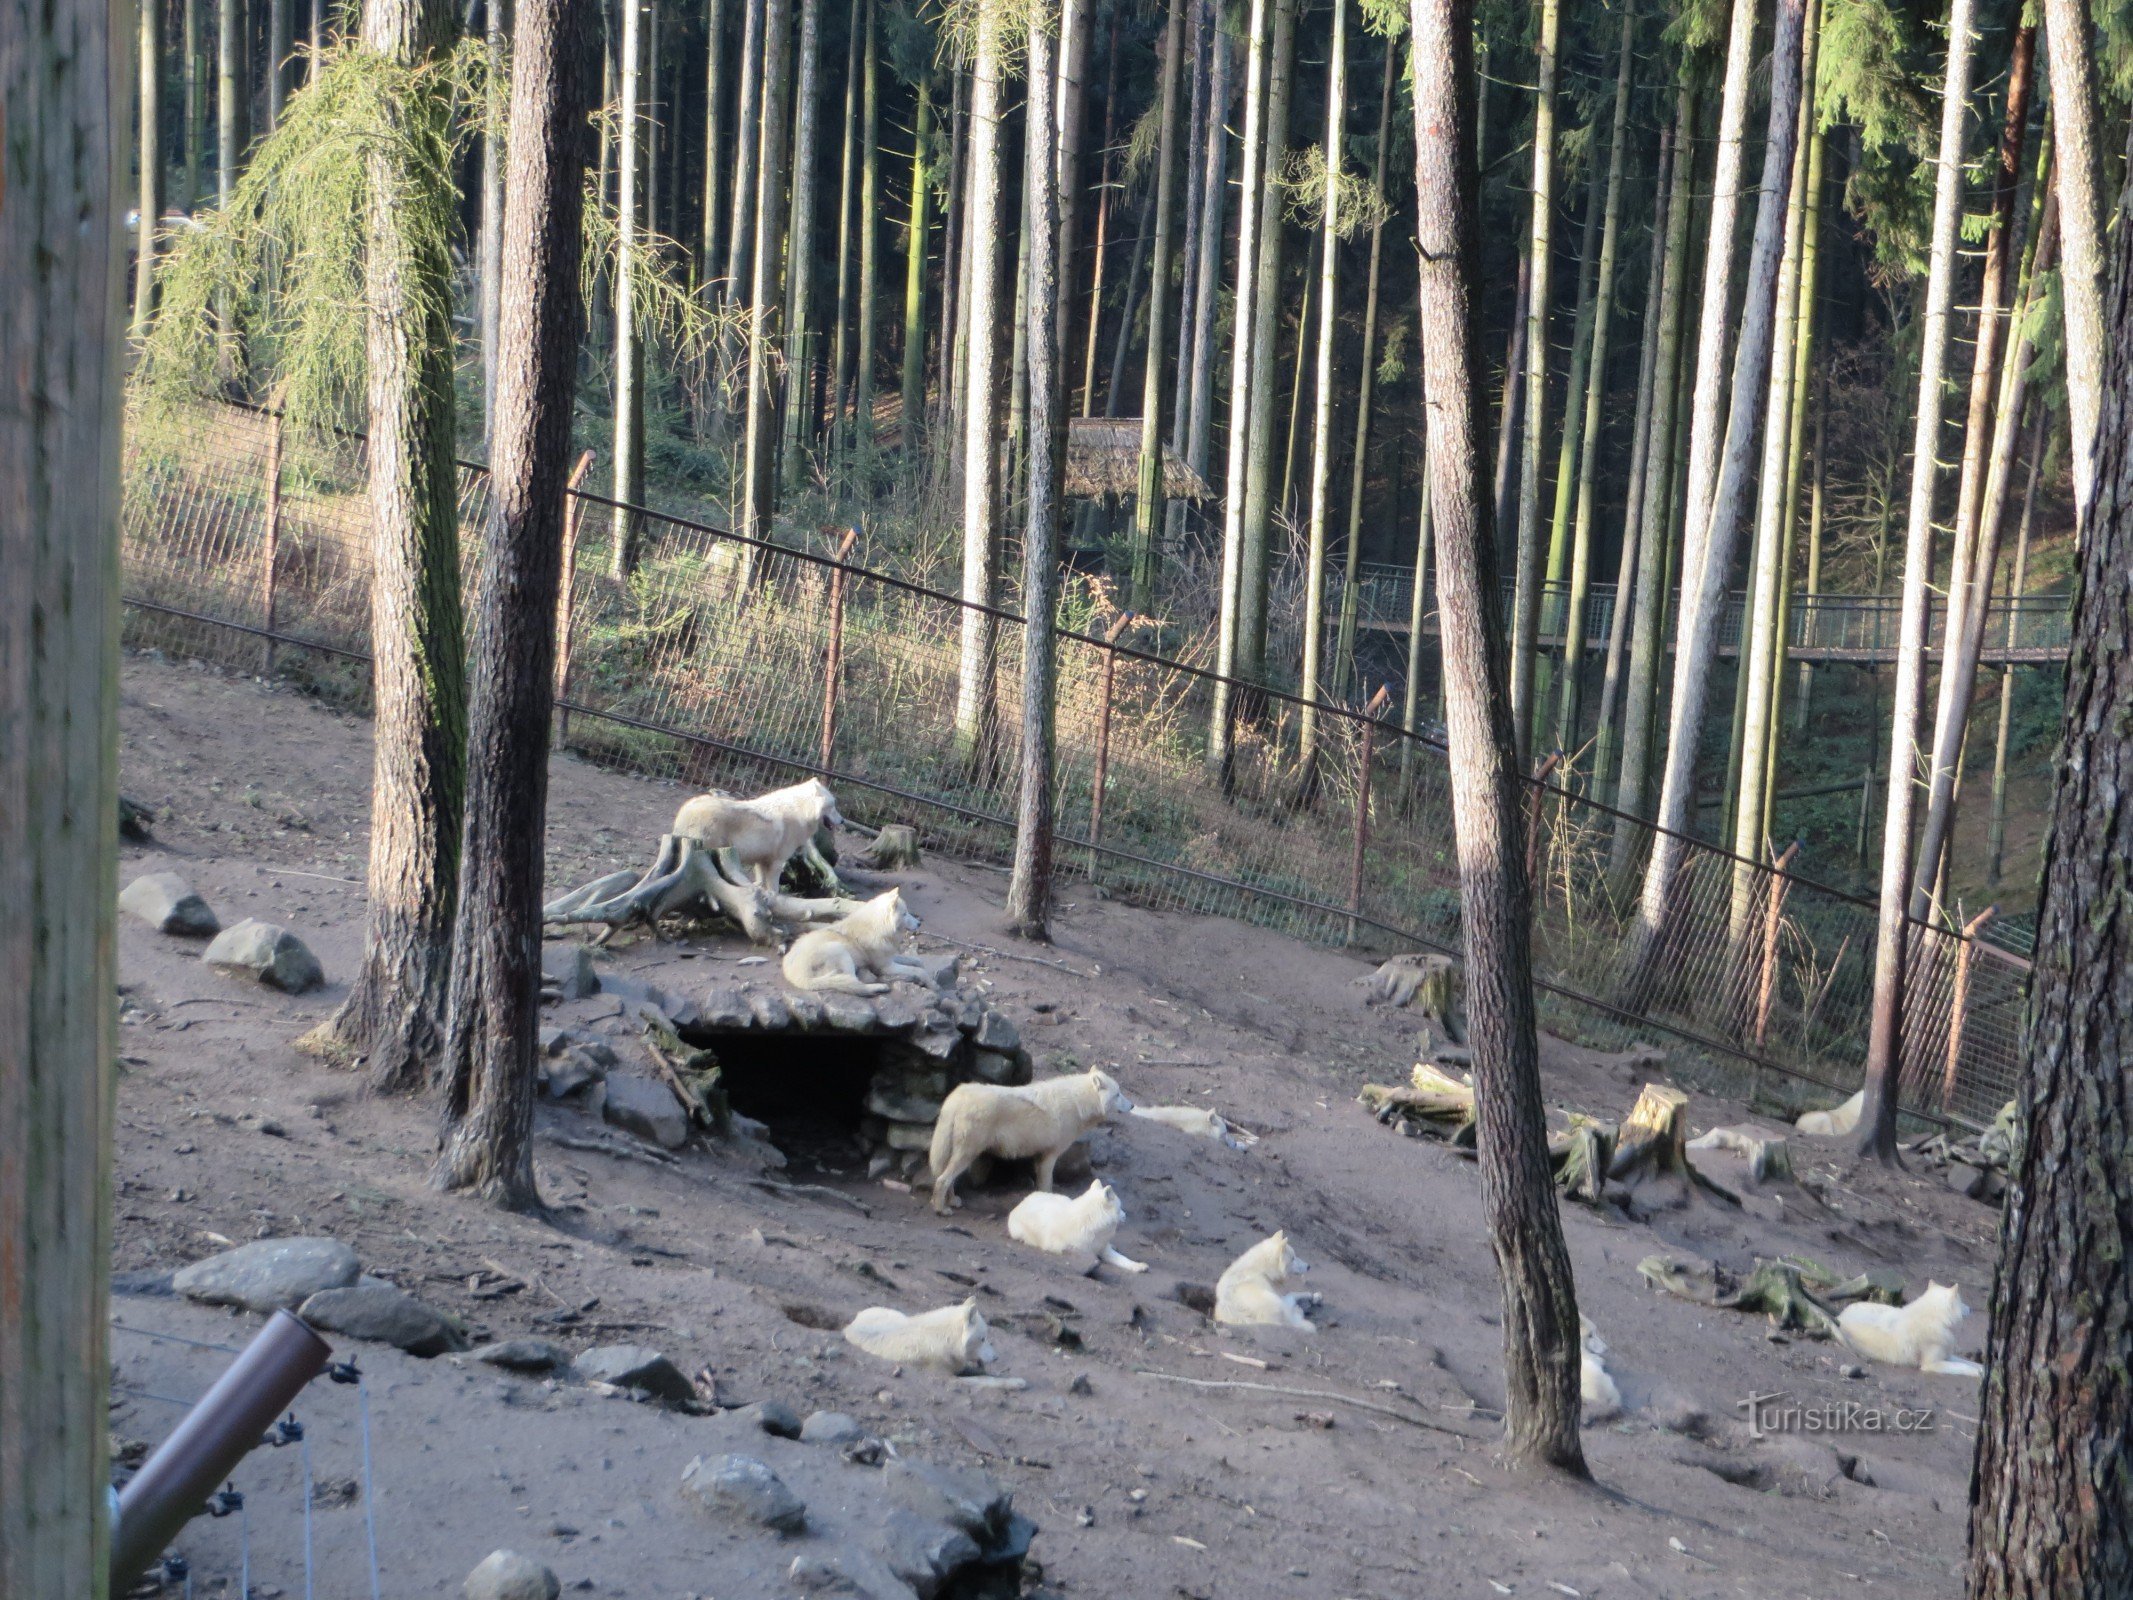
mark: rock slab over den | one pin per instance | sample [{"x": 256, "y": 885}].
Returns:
[
  {"x": 381, "y": 1312},
  {"x": 269, "y": 1274},
  {"x": 743, "y": 1488},
  {"x": 168, "y": 904},
  {"x": 268, "y": 952},
  {"x": 635, "y": 1366}
]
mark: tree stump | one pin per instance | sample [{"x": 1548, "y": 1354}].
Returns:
[
  {"x": 1581, "y": 1157},
  {"x": 1430, "y": 983},
  {"x": 1769, "y": 1160},
  {"x": 1439, "y": 1104},
  {"x": 894, "y": 849},
  {"x": 1651, "y": 1155}
]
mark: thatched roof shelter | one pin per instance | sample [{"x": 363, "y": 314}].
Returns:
[{"x": 1104, "y": 459}]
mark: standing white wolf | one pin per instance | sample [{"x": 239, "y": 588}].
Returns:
[
  {"x": 1041, "y": 1121},
  {"x": 1917, "y": 1335},
  {"x": 766, "y": 832},
  {"x": 1248, "y": 1294},
  {"x": 1596, "y": 1386},
  {"x": 844, "y": 955},
  {"x": 953, "y": 1339},
  {"x": 1082, "y": 1226}
]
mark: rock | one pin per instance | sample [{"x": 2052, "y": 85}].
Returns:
[
  {"x": 648, "y": 1109},
  {"x": 524, "y": 1355},
  {"x": 568, "y": 968},
  {"x": 942, "y": 970},
  {"x": 830, "y": 1427},
  {"x": 145, "y": 1282},
  {"x": 939, "y": 1041},
  {"x": 960, "y": 1496},
  {"x": 850, "y": 1572},
  {"x": 507, "y": 1575},
  {"x": 269, "y": 1274},
  {"x": 925, "y": 1553},
  {"x": 995, "y": 1032},
  {"x": 769, "y": 1010},
  {"x": 268, "y": 952},
  {"x": 913, "y": 1136},
  {"x": 993, "y": 1066},
  {"x": 743, "y": 1488},
  {"x": 577, "y": 1068},
  {"x": 167, "y": 903},
  {"x": 1967, "y": 1180},
  {"x": 634, "y": 1366},
  {"x": 379, "y": 1311},
  {"x": 899, "y": 1104},
  {"x": 848, "y": 1013},
  {"x": 552, "y": 1040},
  {"x": 806, "y": 1008},
  {"x": 726, "y": 1007},
  {"x": 895, "y": 1013},
  {"x": 774, "y": 1417}
]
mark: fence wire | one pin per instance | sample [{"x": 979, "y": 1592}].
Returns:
[{"x": 721, "y": 661}]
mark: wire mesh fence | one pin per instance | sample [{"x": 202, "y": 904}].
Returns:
[{"x": 722, "y": 661}]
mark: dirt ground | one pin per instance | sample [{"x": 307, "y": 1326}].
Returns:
[{"x": 1142, "y": 1487}]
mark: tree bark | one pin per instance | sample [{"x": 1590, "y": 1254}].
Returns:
[
  {"x": 747, "y": 135},
  {"x": 1344, "y": 675},
  {"x": 759, "y": 448},
  {"x": 151, "y": 161},
  {"x": 841, "y": 350},
  {"x": 913, "y": 388},
  {"x": 2051, "y": 1493},
  {"x": 1314, "y": 686},
  {"x": 865, "y": 334},
  {"x": 1542, "y": 1352},
  {"x": 628, "y": 477},
  {"x": 2082, "y": 215},
  {"x": 801, "y": 338},
  {"x": 279, "y": 48},
  {"x": 491, "y": 1031},
  {"x": 418, "y": 672},
  {"x": 1996, "y": 835},
  {"x": 227, "y": 81},
  {"x": 976, "y": 731},
  {"x": 1526, "y": 573},
  {"x": 1213, "y": 179},
  {"x": 64, "y": 98},
  {"x": 708, "y": 238},
  {"x": 1070, "y": 101},
  {"x": 1884, "y": 1049},
  {"x": 1029, "y": 888},
  {"x": 1148, "y": 498},
  {"x": 492, "y": 215},
  {"x": 195, "y": 103}
]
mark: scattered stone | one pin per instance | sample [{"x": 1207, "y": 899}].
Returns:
[
  {"x": 524, "y": 1355},
  {"x": 167, "y": 903},
  {"x": 726, "y": 1008},
  {"x": 966, "y": 1498},
  {"x": 849, "y": 1013},
  {"x": 924, "y": 1553},
  {"x": 553, "y": 1040},
  {"x": 568, "y": 969},
  {"x": 847, "y": 1572},
  {"x": 635, "y": 1366},
  {"x": 134, "y": 820},
  {"x": 268, "y": 952},
  {"x": 913, "y": 1136},
  {"x": 830, "y": 1427},
  {"x": 995, "y": 1032},
  {"x": 774, "y": 1417},
  {"x": 646, "y": 1108},
  {"x": 269, "y": 1274},
  {"x": 744, "y": 1488},
  {"x": 994, "y": 1066},
  {"x": 507, "y": 1575},
  {"x": 898, "y": 1103},
  {"x": 769, "y": 1010},
  {"x": 379, "y": 1311},
  {"x": 146, "y": 1283},
  {"x": 573, "y": 1072},
  {"x": 806, "y": 1008}
]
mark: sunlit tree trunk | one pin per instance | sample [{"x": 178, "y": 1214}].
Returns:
[
  {"x": 1569, "y": 441},
  {"x": 150, "y": 112},
  {"x": 1996, "y": 834},
  {"x": 802, "y": 354},
  {"x": 492, "y": 215},
  {"x": 913, "y": 386},
  {"x": 1148, "y": 496},
  {"x": 2079, "y": 181},
  {"x": 1070, "y": 114},
  {"x": 1366, "y": 390},
  {"x": 1100, "y": 251},
  {"x": 1540, "y": 1322},
  {"x": 195, "y": 104},
  {"x": 709, "y": 267},
  {"x": 1417, "y": 614},
  {"x": 1197, "y": 29},
  {"x": 976, "y": 733},
  {"x": 1331, "y": 222},
  {"x": 280, "y": 46},
  {"x": 865, "y": 335},
  {"x": 228, "y": 83},
  {"x": 747, "y": 135},
  {"x": 1214, "y": 195},
  {"x": 629, "y": 330},
  {"x": 492, "y": 1028},
  {"x": 1807, "y": 394},
  {"x": 1526, "y": 578},
  {"x": 1511, "y": 412},
  {"x": 841, "y": 349},
  {"x": 765, "y": 356},
  {"x": 955, "y": 260}
]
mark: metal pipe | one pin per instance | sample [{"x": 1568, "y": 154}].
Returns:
[{"x": 174, "y": 1484}]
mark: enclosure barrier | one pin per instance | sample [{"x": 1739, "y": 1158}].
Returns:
[{"x": 721, "y": 660}]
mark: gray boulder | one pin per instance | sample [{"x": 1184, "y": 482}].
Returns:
[
  {"x": 268, "y": 952},
  {"x": 167, "y": 903},
  {"x": 507, "y": 1575},
  {"x": 381, "y": 1312},
  {"x": 573, "y": 1071},
  {"x": 961, "y": 1496},
  {"x": 646, "y": 1108},
  {"x": 847, "y": 1572},
  {"x": 744, "y": 1489},
  {"x": 995, "y": 1032},
  {"x": 635, "y": 1366},
  {"x": 923, "y": 1552},
  {"x": 524, "y": 1355},
  {"x": 269, "y": 1274},
  {"x": 774, "y": 1417},
  {"x": 830, "y": 1427},
  {"x": 898, "y": 1103},
  {"x": 568, "y": 969}
]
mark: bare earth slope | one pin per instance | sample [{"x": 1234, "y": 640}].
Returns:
[{"x": 1141, "y": 1487}]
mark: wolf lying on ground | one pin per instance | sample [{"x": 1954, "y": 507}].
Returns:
[
  {"x": 766, "y": 832},
  {"x": 1248, "y": 1294},
  {"x": 1837, "y": 1121},
  {"x": 953, "y": 1339},
  {"x": 844, "y": 955},
  {"x": 1082, "y": 1226},
  {"x": 1040, "y": 1121},
  {"x": 1917, "y": 1335},
  {"x": 1201, "y": 1121},
  {"x": 1595, "y": 1386}
]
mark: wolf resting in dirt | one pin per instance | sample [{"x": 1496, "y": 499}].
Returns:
[
  {"x": 1917, "y": 1335},
  {"x": 953, "y": 1339},
  {"x": 1835, "y": 1122},
  {"x": 1040, "y": 1121},
  {"x": 1201, "y": 1121},
  {"x": 1082, "y": 1226},
  {"x": 1248, "y": 1294},
  {"x": 766, "y": 832},
  {"x": 846, "y": 954}
]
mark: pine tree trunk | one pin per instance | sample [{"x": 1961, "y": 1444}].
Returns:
[
  {"x": 1541, "y": 1337},
  {"x": 1029, "y": 888},
  {"x": 708, "y": 238},
  {"x": 1314, "y": 686},
  {"x": 2082, "y": 216},
  {"x": 1148, "y": 497},
  {"x": 1314, "y": 257},
  {"x": 1103, "y": 230},
  {"x": 1196, "y": 52},
  {"x": 865, "y": 335},
  {"x": 280, "y": 47},
  {"x": 747, "y": 139},
  {"x": 1018, "y": 373},
  {"x": 955, "y": 258},
  {"x": 1806, "y": 394},
  {"x": 801, "y": 339},
  {"x": 976, "y": 716},
  {"x": 1567, "y": 714},
  {"x": 841, "y": 350},
  {"x": 492, "y": 217},
  {"x": 1344, "y": 675},
  {"x": 1511, "y": 409},
  {"x": 1213, "y": 179},
  {"x": 913, "y": 386},
  {"x": 227, "y": 81},
  {"x": 418, "y": 675},
  {"x": 1070, "y": 113},
  {"x": 491, "y": 1038},
  {"x": 1707, "y": 562},
  {"x": 1526, "y": 574},
  {"x": 150, "y": 114},
  {"x": 1417, "y": 614},
  {"x": 195, "y": 104},
  {"x": 1996, "y": 835},
  {"x": 1130, "y": 312},
  {"x": 759, "y": 448},
  {"x": 2051, "y": 1493},
  {"x": 63, "y": 84},
  {"x": 1877, "y": 1118},
  {"x": 628, "y": 477},
  {"x": 1570, "y": 440}
]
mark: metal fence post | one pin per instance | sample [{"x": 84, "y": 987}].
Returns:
[
  {"x": 1103, "y": 737},
  {"x": 1378, "y": 703},
  {"x": 1773, "y": 914},
  {"x": 833, "y": 661},
  {"x": 270, "y": 546},
  {"x": 1959, "y": 1006},
  {"x": 567, "y": 589}
]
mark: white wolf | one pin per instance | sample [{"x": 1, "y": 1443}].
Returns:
[
  {"x": 1041, "y": 1120},
  {"x": 1595, "y": 1385},
  {"x": 1082, "y": 1226},
  {"x": 1248, "y": 1294},
  {"x": 1917, "y": 1335},
  {"x": 953, "y": 1339},
  {"x": 766, "y": 832},
  {"x": 1836, "y": 1122},
  {"x": 845, "y": 954},
  {"x": 1199, "y": 1120}
]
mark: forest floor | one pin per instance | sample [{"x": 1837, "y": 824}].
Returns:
[{"x": 1141, "y": 1487}]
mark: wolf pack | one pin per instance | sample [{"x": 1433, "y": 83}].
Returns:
[{"x": 863, "y": 953}]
